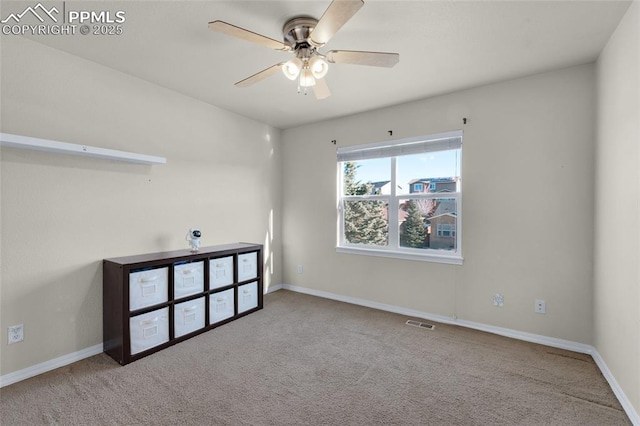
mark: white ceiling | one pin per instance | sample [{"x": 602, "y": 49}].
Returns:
[{"x": 444, "y": 46}]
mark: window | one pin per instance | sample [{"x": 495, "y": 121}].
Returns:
[
  {"x": 403, "y": 220},
  {"x": 446, "y": 230}
]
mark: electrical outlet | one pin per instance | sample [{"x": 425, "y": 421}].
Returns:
[
  {"x": 300, "y": 269},
  {"x": 498, "y": 300},
  {"x": 540, "y": 307},
  {"x": 16, "y": 334}
]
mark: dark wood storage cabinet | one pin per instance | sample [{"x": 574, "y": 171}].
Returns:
[{"x": 155, "y": 300}]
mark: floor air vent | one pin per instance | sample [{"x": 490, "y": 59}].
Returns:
[{"x": 420, "y": 324}]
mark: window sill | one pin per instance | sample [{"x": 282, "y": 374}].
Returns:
[{"x": 424, "y": 257}]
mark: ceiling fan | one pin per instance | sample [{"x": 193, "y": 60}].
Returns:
[{"x": 303, "y": 36}]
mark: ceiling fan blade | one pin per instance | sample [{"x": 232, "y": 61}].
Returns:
[
  {"x": 356, "y": 57},
  {"x": 336, "y": 15},
  {"x": 247, "y": 35},
  {"x": 320, "y": 89},
  {"x": 259, "y": 76}
]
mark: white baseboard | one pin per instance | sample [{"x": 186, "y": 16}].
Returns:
[
  {"x": 52, "y": 364},
  {"x": 272, "y": 288},
  {"x": 514, "y": 334},
  {"x": 529, "y": 337},
  {"x": 634, "y": 416},
  {"x": 43, "y": 367},
  {"x": 520, "y": 335}
]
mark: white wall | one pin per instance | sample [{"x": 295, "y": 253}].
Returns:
[
  {"x": 527, "y": 175},
  {"x": 617, "y": 239},
  {"x": 61, "y": 215}
]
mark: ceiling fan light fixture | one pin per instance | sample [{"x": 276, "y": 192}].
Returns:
[
  {"x": 306, "y": 78},
  {"x": 303, "y": 36},
  {"x": 291, "y": 68},
  {"x": 318, "y": 66}
]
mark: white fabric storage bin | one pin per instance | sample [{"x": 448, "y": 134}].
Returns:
[
  {"x": 247, "y": 296},
  {"x": 221, "y": 306},
  {"x": 220, "y": 272},
  {"x": 188, "y": 317},
  {"x": 247, "y": 266},
  {"x": 148, "y": 287},
  {"x": 188, "y": 278},
  {"x": 149, "y": 330}
]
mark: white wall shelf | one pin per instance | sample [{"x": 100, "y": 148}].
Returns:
[{"x": 27, "y": 142}]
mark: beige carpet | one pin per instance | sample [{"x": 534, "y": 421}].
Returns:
[{"x": 309, "y": 361}]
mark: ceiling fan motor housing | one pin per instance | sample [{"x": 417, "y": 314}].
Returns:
[{"x": 297, "y": 31}]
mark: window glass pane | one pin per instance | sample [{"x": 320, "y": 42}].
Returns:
[
  {"x": 428, "y": 172},
  {"x": 366, "y": 222},
  {"x": 367, "y": 177},
  {"x": 428, "y": 223}
]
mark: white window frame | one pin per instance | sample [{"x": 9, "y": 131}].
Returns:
[
  {"x": 418, "y": 187},
  {"x": 393, "y": 149}
]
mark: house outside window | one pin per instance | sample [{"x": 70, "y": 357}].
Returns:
[
  {"x": 446, "y": 230},
  {"x": 383, "y": 208}
]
